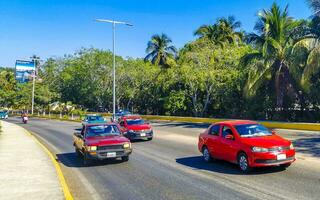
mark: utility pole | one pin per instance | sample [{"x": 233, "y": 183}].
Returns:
[
  {"x": 35, "y": 59},
  {"x": 114, "y": 55}
]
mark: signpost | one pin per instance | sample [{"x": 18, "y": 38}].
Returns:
[{"x": 25, "y": 72}]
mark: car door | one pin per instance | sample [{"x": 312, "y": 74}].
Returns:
[
  {"x": 213, "y": 141},
  {"x": 122, "y": 126},
  {"x": 80, "y": 139},
  {"x": 228, "y": 147}
]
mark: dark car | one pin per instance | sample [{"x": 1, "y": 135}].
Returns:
[
  {"x": 100, "y": 142},
  {"x": 3, "y": 114},
  {"x": 93, "y": 119}
]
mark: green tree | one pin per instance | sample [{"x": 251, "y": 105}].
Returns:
[
  {"x": 272, "y": 59},
  {"x": 315, "y": 6},
  {"x": 223, "y": 31},
  {"x": 160, "y": 51}
]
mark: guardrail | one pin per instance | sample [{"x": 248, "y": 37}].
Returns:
[{"x": 269, "y": 124}]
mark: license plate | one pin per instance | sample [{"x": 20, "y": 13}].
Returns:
[
  {"x": 111, "y": 154},
  {"x": 281, "y": 157},
  {"x": 142, "y": 134}
]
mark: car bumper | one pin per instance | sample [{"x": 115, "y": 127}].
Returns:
[
  {"x": 139, "y": 136},
  {"x": 271, "y": 158},
  {"x": 103, "y": 154}
]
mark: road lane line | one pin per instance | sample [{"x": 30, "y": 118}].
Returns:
[{"x": 62, "y": 180}]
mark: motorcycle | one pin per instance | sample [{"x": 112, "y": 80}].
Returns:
[{"x": 25, "y": 120}]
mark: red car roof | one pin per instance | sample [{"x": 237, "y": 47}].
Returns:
[
  {"x": 237, "y": 122},
  {"x": 131, "y": 117}
]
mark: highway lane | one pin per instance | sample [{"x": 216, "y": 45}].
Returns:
[{"x": 170, "y": 167}]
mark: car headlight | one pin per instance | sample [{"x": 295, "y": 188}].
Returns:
[
  {"x": 259, "y": 149},
  {"x": 92, "y": 148},
  {"x": 291, "y": 146},
  {"x": 127, "y": 145}
]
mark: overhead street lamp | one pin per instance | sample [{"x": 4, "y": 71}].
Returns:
[{"x": 114, "y": 56}]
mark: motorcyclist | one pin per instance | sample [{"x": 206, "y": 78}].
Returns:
[{"x": 24, "y": 117}]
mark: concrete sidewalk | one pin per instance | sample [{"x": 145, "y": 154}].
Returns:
[{"x": 26, "y": 171}]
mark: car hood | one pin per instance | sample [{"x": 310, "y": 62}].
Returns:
[
  {"x": 139, "y": 127},
  {"x": 109, "y": 140},
  {"x": 266, "y": 141}
]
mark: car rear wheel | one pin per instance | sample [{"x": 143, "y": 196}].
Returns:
[
  {"x": 243, "y": 163},
  {"x": 206, "y": 154},
  {"x": 125, "y": 158}
]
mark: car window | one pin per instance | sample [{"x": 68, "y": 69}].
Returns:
[
  {"x": 135, "y": 121},
  {"x": 226, "y": 130},
  {"x": 121, "y": 123},
  {"x": 102, "y": 131},
  {"x": 215, "y": 130},
  {"x": 252, "y": 130}
]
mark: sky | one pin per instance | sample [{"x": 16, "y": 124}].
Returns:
[{"x": 54, "y": 28}]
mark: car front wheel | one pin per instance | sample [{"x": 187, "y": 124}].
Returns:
[
  {"x": 125, "y": 158},
  {"x": 243, "y": 163}
]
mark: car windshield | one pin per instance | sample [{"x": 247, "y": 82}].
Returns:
[
  {"x": 102, "y": 130},
  {"x": 95, "y": 118},
  {"x": 135, "y": 121},
  {"x": 252, "y": 130}
]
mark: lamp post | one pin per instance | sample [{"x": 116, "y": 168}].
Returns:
[
  {"x": 35, "y": 59},
  {"x": 114, "y": 56}
]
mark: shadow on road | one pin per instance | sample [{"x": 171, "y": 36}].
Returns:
[
  {"x": 73, "y": 160},
  {"x": 308, "y": 145},
  {"x": 222, "y": 167}
]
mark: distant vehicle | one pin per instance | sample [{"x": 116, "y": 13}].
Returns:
[
  {"x": 93, "y": 119},
  {"x": 100, "y": 142},
  {"x": 247, "y": 144},
  {"x": 120, "y": 114},
  {"x": 134, "y": 127},
  {"x": 3, "y": 114},
  {"x": 25, "y": 119}
]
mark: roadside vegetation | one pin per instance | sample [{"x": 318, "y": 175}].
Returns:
[{"x": 272, "y": 73}]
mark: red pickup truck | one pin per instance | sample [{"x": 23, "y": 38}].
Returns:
[
  {"x": 134, "y": 127},
  {"x": 101, "y": 141}
]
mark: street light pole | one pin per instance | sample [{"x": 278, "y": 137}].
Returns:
[
  {"x": 34, "y": 59},
  {"x": 114, "y": 68},
  {"x": 114, "y": 55}
]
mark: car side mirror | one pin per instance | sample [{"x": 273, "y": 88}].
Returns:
[
  {"x": 229, "y": 137},
  {"x": 77, "y": 134}
]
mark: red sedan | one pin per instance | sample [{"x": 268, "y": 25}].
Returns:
[{"x": 247, "y": 144}]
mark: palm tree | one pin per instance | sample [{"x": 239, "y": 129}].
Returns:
[
  {"x": 160, "y": 50},
  {"x": 272, "y": 60},
  {"x": 223, "y": 31},
  {"x": 315, "y": 6}
]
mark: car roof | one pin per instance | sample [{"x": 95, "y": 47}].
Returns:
[
  {"x": 237, "y": 122},
  {"x": 101, "y": 124},
  {"x": 92, "y": 115},
  {"x": 131, "y": 117}
]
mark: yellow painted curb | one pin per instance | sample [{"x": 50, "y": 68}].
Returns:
[{"x": 65, "y": 188}]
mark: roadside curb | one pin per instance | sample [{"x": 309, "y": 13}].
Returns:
[{"x": 65, "y": 188}]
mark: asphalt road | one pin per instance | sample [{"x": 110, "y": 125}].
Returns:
[{"x": 170, "y": 167}]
